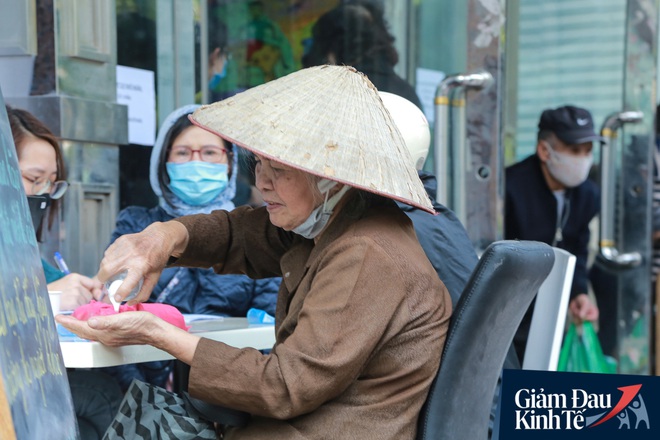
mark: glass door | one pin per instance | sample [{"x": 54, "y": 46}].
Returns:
[
  {"x": 489, "y": 92},
  {"x": 599, "y": 55}
]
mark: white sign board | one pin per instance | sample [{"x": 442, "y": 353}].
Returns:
[{"x": 136, "y": 89}]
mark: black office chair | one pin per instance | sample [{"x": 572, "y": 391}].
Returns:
[{"x": 482, "y": 326}]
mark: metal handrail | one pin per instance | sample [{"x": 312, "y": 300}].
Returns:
[
  {"x": 607, "y": 242},
  {"x": 458, "y": 150}
]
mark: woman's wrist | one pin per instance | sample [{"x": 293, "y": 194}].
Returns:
[
  {"x": 173, "y": 340},
  {"x": 172, "y": 232},
  {"x": 179, "y": 233}
]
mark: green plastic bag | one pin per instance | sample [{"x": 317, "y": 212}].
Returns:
[{"x": 581, "y": 352}]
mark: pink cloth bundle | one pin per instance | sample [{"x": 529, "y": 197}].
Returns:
[{"x": 165, "y": 312}]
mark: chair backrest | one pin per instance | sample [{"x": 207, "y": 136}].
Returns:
[
  {"x": 481, "y": 330},
  {"x": 546, "y": 330}
]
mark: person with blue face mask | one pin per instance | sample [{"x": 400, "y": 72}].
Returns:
[
  {"x": 197, "y": 181},
  {"x": 192, "y": 171},
  {"x": 218, "y": 60}
]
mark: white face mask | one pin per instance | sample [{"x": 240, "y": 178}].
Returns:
[
  {"x": 319, "y": 217},
  {"x": 568, "y": 169}
]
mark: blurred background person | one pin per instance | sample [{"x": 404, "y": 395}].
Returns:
[
  {"x": 221, "y": 84},
  {"x": 221, "y": 75},
  {"x": 355, "y": 34},
  {"x": 549, "y": 198}
]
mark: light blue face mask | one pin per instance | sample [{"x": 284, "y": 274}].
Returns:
[
  {"x": 197, "y": 183},
  {"x": 320, "y": 216},
  {"x": 217, "y": 77}
]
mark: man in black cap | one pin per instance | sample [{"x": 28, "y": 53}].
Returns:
[{"x": 549, "y": 199}]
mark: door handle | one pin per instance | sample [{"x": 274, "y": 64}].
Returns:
[
  {"x": 607, "y": 243},
  {"x": 453, "y": 158}
]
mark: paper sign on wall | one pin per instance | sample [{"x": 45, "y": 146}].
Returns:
[{"x": 136, "y": 89}]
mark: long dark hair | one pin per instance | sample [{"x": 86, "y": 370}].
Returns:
[
  {"x": 355, "y": 32},
  {"x": 24, "y": 125}
]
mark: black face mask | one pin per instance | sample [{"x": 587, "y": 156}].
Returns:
[{"x": 38, "y": 207}]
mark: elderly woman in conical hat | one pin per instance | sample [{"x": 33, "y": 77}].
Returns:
[{"x": 361, "y": 316}]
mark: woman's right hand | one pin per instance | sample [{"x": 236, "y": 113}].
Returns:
[
  {"x": 143, "y": 256},
  {"x": 77, "y": 290}
]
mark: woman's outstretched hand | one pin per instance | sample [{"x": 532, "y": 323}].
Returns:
[
  {"x": 143, "y": 256},
  {"x": 129, "y": 328},
  {"x": 134, "y": 328}
]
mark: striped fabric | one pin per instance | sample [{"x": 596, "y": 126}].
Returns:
[{"x": 149, "y": 412}]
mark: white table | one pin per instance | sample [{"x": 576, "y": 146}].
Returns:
[{"x": 232, "y": 331}]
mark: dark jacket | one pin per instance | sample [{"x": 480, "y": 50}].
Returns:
[
  {"x": 444, "y": 240},
  {"x": 531, "y": 214},
  {"x": 193, "y": 290}
]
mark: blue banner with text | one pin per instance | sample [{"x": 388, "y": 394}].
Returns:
[{"x": 551, "y": 405}]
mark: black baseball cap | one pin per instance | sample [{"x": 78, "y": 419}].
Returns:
[{"x": 573, "y": 125}]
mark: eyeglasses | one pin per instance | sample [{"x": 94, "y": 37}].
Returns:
[
  {"x": 54, "y": 189},
  {"x": 208, "y": 153}
]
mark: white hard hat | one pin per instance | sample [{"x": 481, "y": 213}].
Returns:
[{"x": 412, "y": 124}]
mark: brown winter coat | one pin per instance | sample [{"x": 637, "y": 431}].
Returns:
[{"x": 360, "y": 325}]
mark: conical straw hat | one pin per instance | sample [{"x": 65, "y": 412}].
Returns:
[{"x": 325, "y": 120}]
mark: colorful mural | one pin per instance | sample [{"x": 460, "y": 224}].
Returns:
[{"x": 265, "y": 40}]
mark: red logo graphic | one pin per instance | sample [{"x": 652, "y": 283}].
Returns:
[{"x": 624, "y": 405}]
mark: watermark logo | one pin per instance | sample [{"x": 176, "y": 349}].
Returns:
[
  {"x": 579, "y": 409},
  {"x": 540, "y": 404}
]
